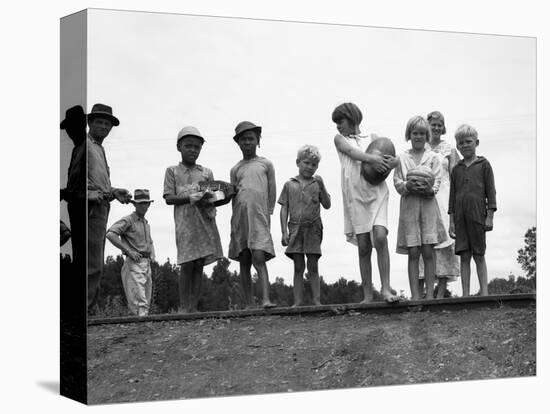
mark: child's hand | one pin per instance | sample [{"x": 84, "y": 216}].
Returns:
[
  {"x": 379, "y": 163},
  {"x": 122, "y": 195},
  {"x": 195, "y": 197},
  {"x": 488, "y": 223},
  {"x": 135, "y": 256},
  {"x": 95, "y": 196},
  {"x": 452, "y": 232},
  {"x": 319, "y": 180},
  {"x": 392, "y": 161},
  {"x": 284, "y": 240}
]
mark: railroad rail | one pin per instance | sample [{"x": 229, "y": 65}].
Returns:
[{"x": 449, "y": 304}]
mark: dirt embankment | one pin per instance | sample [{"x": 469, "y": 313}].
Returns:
[{"x": 201, "y": 358}]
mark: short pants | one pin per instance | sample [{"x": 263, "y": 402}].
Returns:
[
  {"x": 305, "y": 238},
  {"x": 470, "y": 237}
]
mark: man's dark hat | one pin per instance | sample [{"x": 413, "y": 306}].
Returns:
[
  {"x": 73, "y": 115},
  {"x": 246, "y": 126},
  {"x": 103, "y": 111}
]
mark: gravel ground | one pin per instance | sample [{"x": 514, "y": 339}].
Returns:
[{"x": 218, "y": 357}]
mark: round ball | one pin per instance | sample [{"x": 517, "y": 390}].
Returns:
[
  {"x": 421, "y": 172},
  {"x": 380, "y": 146}
]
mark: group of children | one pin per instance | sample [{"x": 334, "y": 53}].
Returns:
[{"x": 423, "y": 228}]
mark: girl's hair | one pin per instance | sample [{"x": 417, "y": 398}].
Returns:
[
  {"x": 308, "y": 151},
  {"x": 420, "y": 123},
  {"x": 349, "y": 111},
  {"x": 464, "y": 131},
  {"x": 436, "y": 115}
]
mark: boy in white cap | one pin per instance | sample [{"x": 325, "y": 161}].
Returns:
[
  {"x": 132, "y": 235},
  {"x": 197, "y": 238}
]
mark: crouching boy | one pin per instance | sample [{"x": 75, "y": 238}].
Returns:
[{"x": 132, "y": 235}]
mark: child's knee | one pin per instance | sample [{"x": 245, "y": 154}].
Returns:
[
  {"x": 299, "y": 264},
  {"x": 364, "y": 247},
  {"x": 479, "y": 258},
  {"x": 380, "y": 241},
  {"x": 414, "y": 253},
  {"x": 258, "y": 258},
  {"x": 465, "y": 256},
  {"x": 379, "y": 237},
  {"x": 427, "y": 252},
  {"x": 312, "y": 264}
]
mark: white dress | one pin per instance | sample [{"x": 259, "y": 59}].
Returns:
[
  {"x": 365, "y": 205},
  {"x": 447, "y": 264}
]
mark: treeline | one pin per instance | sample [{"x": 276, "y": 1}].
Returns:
[
  {"x": 500, "y": 286},
  {"x": 222, "y": 290}
]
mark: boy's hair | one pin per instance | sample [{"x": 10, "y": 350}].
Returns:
[
  {"x": 464, "y": 131},
  {"x": 308, "y": 151},
  {"x": 420, "y": 123},
  {"x": 349, "y": 111}
]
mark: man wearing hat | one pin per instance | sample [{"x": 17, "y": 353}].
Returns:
[
  {"x": 132, "y": 235},
  {"x": 100, "y": 193},
  {"x": 74, "y": 193}
]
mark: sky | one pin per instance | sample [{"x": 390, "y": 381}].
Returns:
[{"x": 166, "y": 71}]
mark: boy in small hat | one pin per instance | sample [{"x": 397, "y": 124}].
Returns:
[
  {"x": 197, "y": 238},
  {"x": 132, "y": 235}
]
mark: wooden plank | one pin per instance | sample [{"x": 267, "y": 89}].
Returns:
[{"x": 451, "y": 304}]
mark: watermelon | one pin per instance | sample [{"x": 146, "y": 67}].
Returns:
[
  {"x": 380, "y": 146},
  {"x": 421, "y": 173},
  {"x": 220, "y": 192}
]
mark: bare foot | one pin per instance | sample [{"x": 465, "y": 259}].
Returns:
[
  {"x": 268, "y": 305},
  {"x": 317, "y": 303},
  {"x": 365, "y": 301},
  {"x": 296, "y": 305},
  {"x": 390, "y": 297}
]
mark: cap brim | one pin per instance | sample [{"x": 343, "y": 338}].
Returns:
[
  {"x": 114, "y": 120},
  {"x": 191, "y": 135},
  {"x": 256, "y": 128}
]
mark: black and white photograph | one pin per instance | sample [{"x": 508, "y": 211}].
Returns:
[
  {"x": 418, "y": 203},
  {"x": 255, "y": 206}
]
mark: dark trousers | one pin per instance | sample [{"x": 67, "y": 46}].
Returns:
[
  {"x": 98, "y": 214},
  {"x": 77, "y": 217}
]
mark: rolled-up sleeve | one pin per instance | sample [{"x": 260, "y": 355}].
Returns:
[
  {"x": 121, "y": 226},
  {"x": 399, "y": 179},
  {"x": 169, "y": 183}
]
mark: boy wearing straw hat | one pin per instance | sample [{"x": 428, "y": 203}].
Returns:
[{"x": 132, "y": 235}]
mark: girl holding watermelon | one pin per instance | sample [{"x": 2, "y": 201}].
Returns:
[
  {"x": 365, "y": 204},
  {"x": 417, "y": 178}
]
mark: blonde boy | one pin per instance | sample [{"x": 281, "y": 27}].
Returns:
[
  {"x": 472, "y": 203},
  {"x": 301, "y": 226}
]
